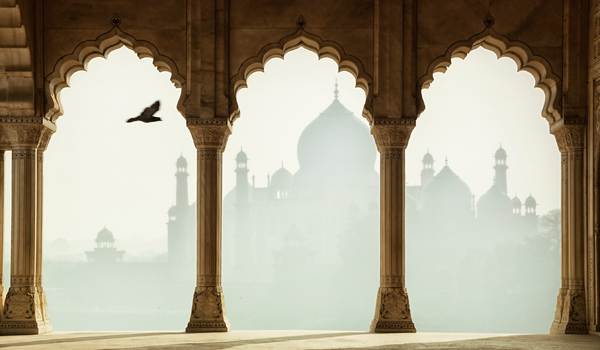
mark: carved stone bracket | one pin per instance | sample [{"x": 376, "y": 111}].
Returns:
[
  {"x": 209, "y": 133},
  {"x": 569, "y": 133},
  {"x": 392, "y": 314},
  {"x": 208, "y": 313},
  {"x": 392, "y": 132},
  {"x": 30, "y": 132}
]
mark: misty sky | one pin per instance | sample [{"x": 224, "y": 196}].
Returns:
[{"x": 100, "y": 170}]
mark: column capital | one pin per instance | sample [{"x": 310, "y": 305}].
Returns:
[
  {"x": 209, "y": 133},
  {"x": 392, "y": 132},
  {"x": 569, "y": 133},
  {"x": 25, "y": 132}
]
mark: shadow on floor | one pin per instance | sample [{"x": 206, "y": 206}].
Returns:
[
  {"x": 216, "y": 345},
  {"x": 513, "y": 342},
  {"x": 72, "y": 339}
]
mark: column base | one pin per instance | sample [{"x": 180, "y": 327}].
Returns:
[
  {"x": 44, "y": 310},
  {"x": 23, "y": 312},
  {"x": 392, "y": 312},
  {"x": 208, "y": 311},
  {"x": 570, "y": 313}
]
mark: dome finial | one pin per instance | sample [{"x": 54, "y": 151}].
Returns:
[
  {"x": 335, "y": 92},
  {"x": 282, "y": 163},
  {"x": 446, "y": 160}
]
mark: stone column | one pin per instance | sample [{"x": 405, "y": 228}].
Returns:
[
  {"x": 392, "y": 311},
  {"x": 39, "y": 239},
  {"x": 208, "y": 305},
  {"x": 570, "y": 316},
  {"x": 2, "y": 290},
  {"x": 23, "y": 311}
]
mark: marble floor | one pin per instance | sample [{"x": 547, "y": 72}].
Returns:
[{"x": 294, "y": 340}]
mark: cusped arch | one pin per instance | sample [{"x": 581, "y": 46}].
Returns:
[
  {"x": 519, "y": 52},
  {"x": 311, "y": 42},
  {"x": 101, "y": 47}
]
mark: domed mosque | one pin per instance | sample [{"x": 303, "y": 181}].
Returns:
[
  {"x": 336, "y": 155},
  {"x": 445, "y": 196}
]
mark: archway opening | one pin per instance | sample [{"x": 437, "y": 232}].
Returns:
[
  {"x": 482, "y": 202},
  {"x": 109, "y": 187},
  {"x": 301, "y": 201}
]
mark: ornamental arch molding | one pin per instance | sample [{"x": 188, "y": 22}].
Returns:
[
  {"x": 311, "y": 42},
  {"x": 519, "y": 52},
  {"x": 101, "y": 47}
]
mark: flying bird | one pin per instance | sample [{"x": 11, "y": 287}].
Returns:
[{"x": 147, "y": 115}]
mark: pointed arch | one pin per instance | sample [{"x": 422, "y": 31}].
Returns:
[
  {"x": 311, "y": 42},
  {"x": 101, "y": 47},
  {"x": 518, "y": 51}
]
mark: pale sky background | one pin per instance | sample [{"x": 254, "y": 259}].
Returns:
[{"x": 100, "y": 170}]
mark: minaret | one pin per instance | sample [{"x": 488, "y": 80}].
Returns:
[
  {"x": 244, "y": 244},
  {"x": 427, "y": 172},
  {"x": 241, "y": 181},
  {"x": 181, "y": 196},
  {"x": 500, "y": 168}
]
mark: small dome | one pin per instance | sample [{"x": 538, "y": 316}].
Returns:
[
  {"x": 494, "y": 203},
  {"x": 241, "y": 157},
  {"x": 500, "y": 153},
  {"x": 172, "y": 211},
  {"x": 530, "y": 202},
  {"x": 181, "y": 161},
  {"x": 105, "y": 236},
  {"x": 428, "y": 158},
  {"x": 282, "y": 177},
  {"x": 516, "y": 202}
]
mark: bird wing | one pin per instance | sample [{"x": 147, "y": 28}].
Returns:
[{"x": 149, "y": 111}]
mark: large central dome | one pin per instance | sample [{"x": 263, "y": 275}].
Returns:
[{"x": 336, "y": 142}]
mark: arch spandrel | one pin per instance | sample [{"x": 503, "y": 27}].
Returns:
[
  {"x": 78, "y": 60},
  {"x": 537, "y": 66},
  {"x": 313, "y": 43}
]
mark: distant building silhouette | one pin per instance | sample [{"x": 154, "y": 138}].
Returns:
[
  {"x": 181, "y": 226},
  {"x": 445, "y": 197},
  {"x": 105, "y": 251}
]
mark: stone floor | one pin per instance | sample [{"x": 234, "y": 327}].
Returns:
[{"x": 244, "y": 340}]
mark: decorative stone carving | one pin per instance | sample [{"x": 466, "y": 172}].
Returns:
[
  {"x": 392, "y": 313},
  {"x": 392, "y": 280},
  {"x": 207, "y": 304},
  {"x": 394, "y": 304},
  {"x": 25, "y": 132},
  {"x": 19, "y": 304},
  {"x": 597, "y": 107},
  {"x": 22, "y": 279},
  {"x": 570, "y": 316},
  {"x": 570, "y": 135},
  {"x": 392, "y": 133},
  {"x": 209, "y": 133},
  {"x": 208, "y": 313},
  {"x": 209, "y": 280},
  {"x": 574, "y": 307}
]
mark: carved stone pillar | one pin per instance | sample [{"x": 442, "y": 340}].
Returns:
[
  {"x": 23, "y": 311},
  {"x": 2, "y": 290},
  {"x": 392, "y": 311},
  {"x": 39, "y": 239},
  {"x": 208, "y": 305},
  {"x": 570, "y": 316}
]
